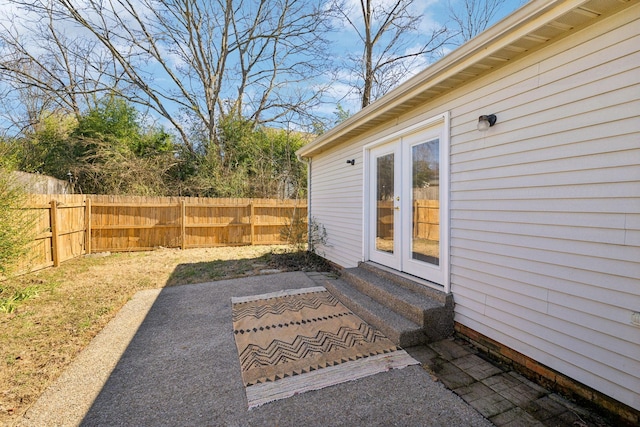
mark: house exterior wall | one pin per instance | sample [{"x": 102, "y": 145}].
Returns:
[
  {"x": 336, "y": 201},
  {"x": 544, "y": 206}
]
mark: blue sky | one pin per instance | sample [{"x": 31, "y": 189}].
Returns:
[
  {"x": 435, "y": 13},
  {"x": 344, "y": 41}
]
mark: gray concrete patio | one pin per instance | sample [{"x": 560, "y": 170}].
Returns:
[{"x": 169, "y": 358}]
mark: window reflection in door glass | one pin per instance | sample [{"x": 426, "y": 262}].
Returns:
[
  {"x": 425, "y": 230},
  {"x": 384, "y": 205}
]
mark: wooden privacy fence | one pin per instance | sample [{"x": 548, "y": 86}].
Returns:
[{"x": 72, "y": 225}]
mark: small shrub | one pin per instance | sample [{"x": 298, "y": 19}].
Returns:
[
  {"x": 301, "y": 237},
  {"x": 295, "y": 233},
  {"x": 305, "y": 242},
  {"x": 317, "y": 236}
]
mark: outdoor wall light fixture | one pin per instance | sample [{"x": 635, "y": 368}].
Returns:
[
  {"x": 351, "y": 162},
  {"x": 485, "y": 122}
]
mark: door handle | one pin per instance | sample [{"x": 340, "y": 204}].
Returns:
[{"x": 396, "y": 208}]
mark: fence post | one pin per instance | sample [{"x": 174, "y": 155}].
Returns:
[
  {"x": 87, "y": 225},
  {"x": 183, "y": 225},
  {"x": 55, "y": 247},
  {"x": 252, "y": 221}
]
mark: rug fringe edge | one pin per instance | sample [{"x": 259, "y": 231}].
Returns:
[{"x": 260, "y": 394}]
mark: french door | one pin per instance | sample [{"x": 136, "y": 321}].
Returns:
[{"x": 407, "y": 179}]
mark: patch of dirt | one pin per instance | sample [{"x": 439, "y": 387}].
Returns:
[{"x": 299, "y": 261}]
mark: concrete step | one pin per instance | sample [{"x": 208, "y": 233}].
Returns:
[
  {"x": 406, "y": 311},
  {"x": 400, "y": 330},
  {"x": 413, "y": 305}
]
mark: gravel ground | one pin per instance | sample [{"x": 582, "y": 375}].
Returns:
[{"x": 169, "y": 358}]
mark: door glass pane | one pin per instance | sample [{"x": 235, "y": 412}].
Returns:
[
  {"x": 425, "y": 244},
  {"x": 384, "y": 204}
]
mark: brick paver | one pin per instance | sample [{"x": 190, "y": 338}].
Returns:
[
  {"x": 453, "y": 377},
  {"x": 502, "y": 395},
  {"x": 545, "y": 408},
  {"x": 515, "y": 417},
  {"x": 473, "y": 392},
  {"x": 450, "y": 349},
  {"x": 491, "y": 405},
  {"x": 477, "y": 367}
]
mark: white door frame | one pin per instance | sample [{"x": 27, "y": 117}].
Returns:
[{"x": 438, "y": 125}]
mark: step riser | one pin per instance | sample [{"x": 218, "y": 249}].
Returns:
[
  {"x": 415, "y": 314},
  {"x": 404, "y": 338},
  {"x": 439, "y": 324}
]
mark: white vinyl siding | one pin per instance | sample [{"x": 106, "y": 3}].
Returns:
[
  {"x": 336, "y": 203},
  {"x": 545, "y": 207}
]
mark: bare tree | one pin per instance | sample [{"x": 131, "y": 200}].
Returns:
[
  {"x": 471, "y": 17},
  {"x": 195, "y": 61},
  {"x": 45, "y": 69},
  {"x": 391, "y": 43},
  {"x": 277, "y": 53}
]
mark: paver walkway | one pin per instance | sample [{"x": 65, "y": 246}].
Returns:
[{"x": 502, "y": 395}]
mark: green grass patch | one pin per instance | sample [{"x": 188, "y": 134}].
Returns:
[{"x": 10, "y": 299}]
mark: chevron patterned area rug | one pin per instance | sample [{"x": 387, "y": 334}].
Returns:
[{"x": 299, "y": 340}]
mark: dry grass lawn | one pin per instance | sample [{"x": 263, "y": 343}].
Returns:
[{"x": 67, "y": 306}]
